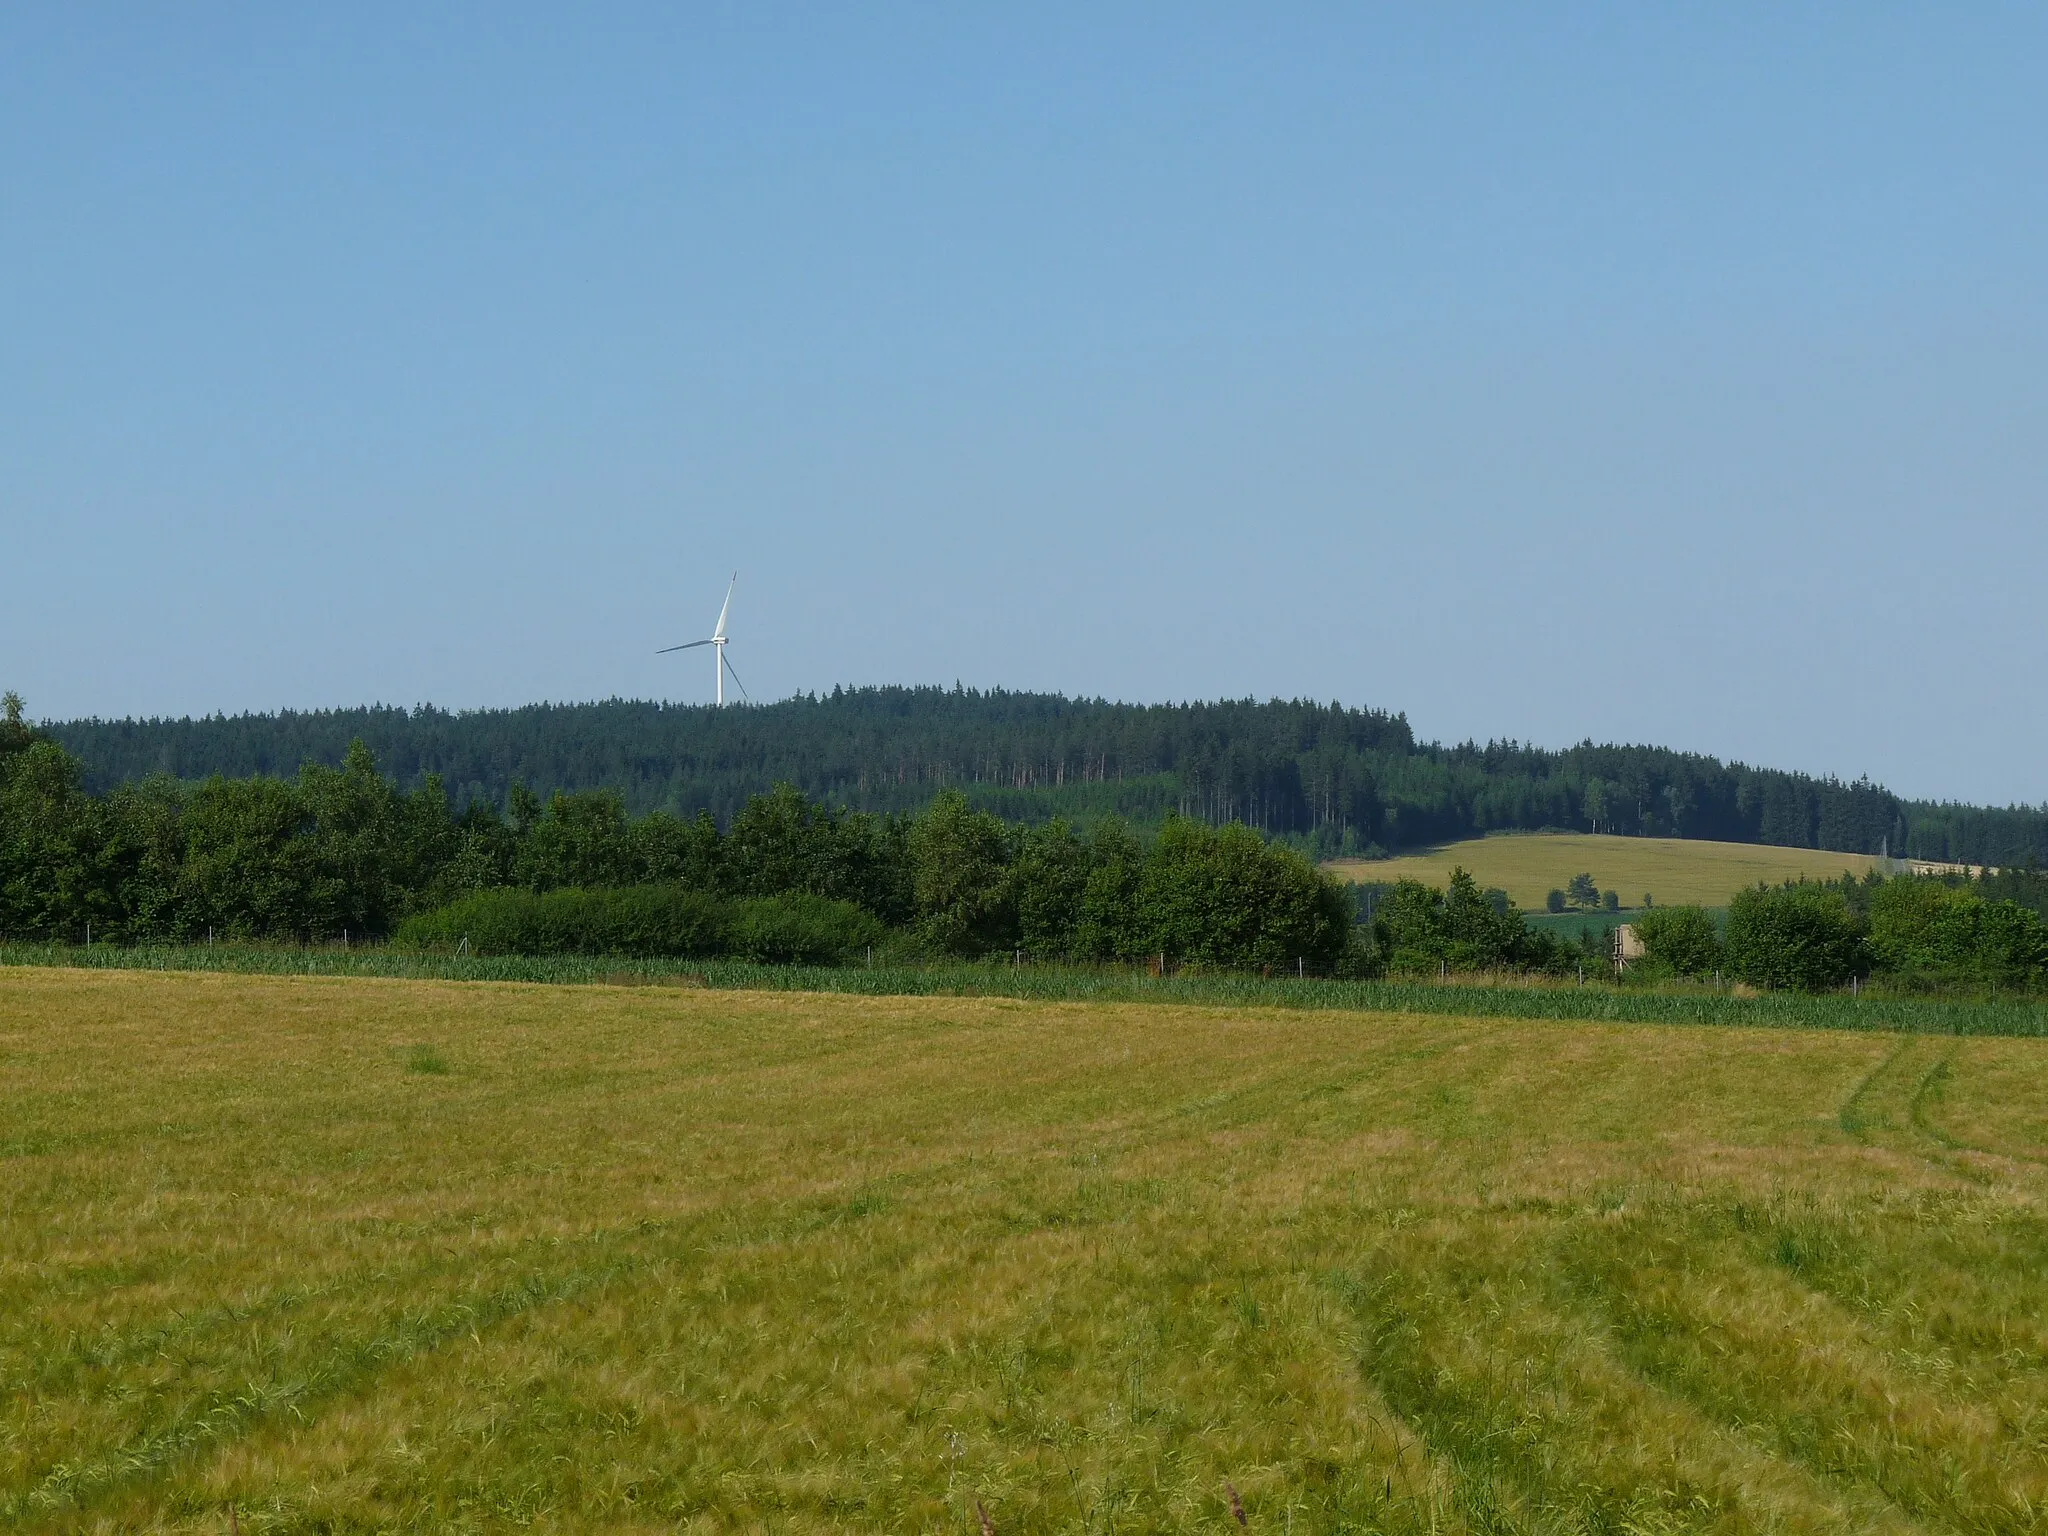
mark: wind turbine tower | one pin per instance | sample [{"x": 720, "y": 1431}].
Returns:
[{"x": 719, "y": 665}]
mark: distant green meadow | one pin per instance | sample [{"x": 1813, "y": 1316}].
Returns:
[
  {"x": 1504, "y": 997},
  {"x": 1569, "y": 925}
]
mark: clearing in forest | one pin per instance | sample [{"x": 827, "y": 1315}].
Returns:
[
  {"x": 343, "y": 1254},
  {"x": 1675, "y": 870}
]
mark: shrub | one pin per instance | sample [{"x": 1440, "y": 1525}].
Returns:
[
  {"x": 800, "y": 930},
  {"x": 1050, "y": 877},
  {"x": 1793, "y": 936},
  {"x": 626, "y": 920},
  {"x": 1926, "y": 929},
  {"x": 1683, "y": 938},
  {"x": 1227, "y": 899},
  {"x": 2012, "y": 945},
  {"x": 1361, "y": 959},
  {"x": 1108, "y": 925},
  {"x": 1420, "y": 928},
  {"x": 960, "y": 860},
  {"x": 653, "y": 920},
  {"x": 1922, "y": 926}
]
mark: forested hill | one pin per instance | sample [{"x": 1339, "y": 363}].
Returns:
[{"x": 1336, "y": 779}]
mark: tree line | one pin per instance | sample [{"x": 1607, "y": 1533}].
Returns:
[
  {"x": 342, "y": 852},
  {"x": 1913, "y": 932},
  {"x": 1916, "y": 932},
  {"x": 1328, "y": 778}
]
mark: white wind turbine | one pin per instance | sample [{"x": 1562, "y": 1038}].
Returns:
[{"x": 717, "y": 643}]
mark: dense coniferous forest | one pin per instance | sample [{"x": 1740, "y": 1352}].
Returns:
[{"x": 1329, "y": 779}]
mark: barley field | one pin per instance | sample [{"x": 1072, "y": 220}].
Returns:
[
  {"x": 1528, "y": 866},
  {"x": 336, "y": 1254}
]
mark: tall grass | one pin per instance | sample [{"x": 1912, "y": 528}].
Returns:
[{"x": 1593, "y": 1001}]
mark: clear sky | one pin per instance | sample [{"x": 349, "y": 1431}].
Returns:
[{"x": 1644, "y": 373}]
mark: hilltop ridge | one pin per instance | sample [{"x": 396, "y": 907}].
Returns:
[{"x": 1337, "y": 780}]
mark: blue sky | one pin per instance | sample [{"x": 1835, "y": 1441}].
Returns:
[{"x": 1637, "y": 373}]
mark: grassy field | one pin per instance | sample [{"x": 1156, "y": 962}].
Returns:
[
  {"x": 347, "y": 1254},
  {"x": 1569, "y": 925},
  {"x": 1673, "y": 870}
]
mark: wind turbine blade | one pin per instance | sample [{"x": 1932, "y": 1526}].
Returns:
[
  {"x": 719, "y": 633},
  {"x": 735, "y": 676},
  {"x": 690, "y": 647}
]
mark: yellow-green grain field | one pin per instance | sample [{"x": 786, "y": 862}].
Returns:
[
  {"x": 1675, "y": 870},
  {"x": 319, "y": 1254}
]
